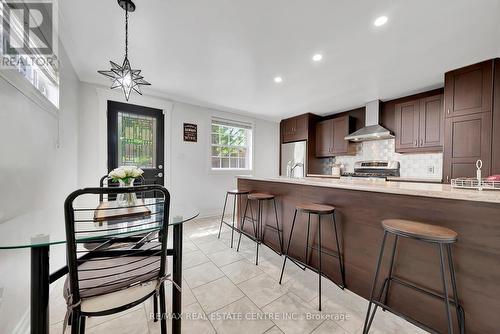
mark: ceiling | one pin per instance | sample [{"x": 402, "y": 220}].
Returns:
[{"x": 225, "y": 53}]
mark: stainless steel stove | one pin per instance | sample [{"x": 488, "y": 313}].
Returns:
[{"x": 378, "y": 169}]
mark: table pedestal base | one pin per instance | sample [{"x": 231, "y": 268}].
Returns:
[{"x": 39, "y": 297}]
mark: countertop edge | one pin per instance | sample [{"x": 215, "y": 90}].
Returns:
[{"x": 447, "y": 193}]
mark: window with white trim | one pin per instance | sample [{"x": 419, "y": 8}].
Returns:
[{"x": 231, "y": 145}]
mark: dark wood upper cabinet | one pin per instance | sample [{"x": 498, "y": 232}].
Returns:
[
  {"x": 431, "y": 132},
  {"x": 407, "y": 123},
  {"x": 419, "y": 125},
  {"x": 341, "y": 128},
  {"x": 295, "y": 128},
  {"x": 324, "y": 138},
  {"x": 330, "y": 136},
  {"x": 469, "y": 90}
]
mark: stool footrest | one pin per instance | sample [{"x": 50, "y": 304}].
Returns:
[
  {"x": 330, "y": 253},
  {"x": 301, "y": 264},
  {"x": 273, "y": 228},
  {"x": 419, "y": 288},
  {"x": 401, "y": 315},
  {"x": 230, "y": 225},
  {"x": 260, "y": 242},
  {"x": 251, "y": 237}
]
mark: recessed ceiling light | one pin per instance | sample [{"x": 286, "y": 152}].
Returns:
[
  {"x": 278, "y": 79},
  {"x": 380, "y": 21},
  {"x": 317, "y": 57}
]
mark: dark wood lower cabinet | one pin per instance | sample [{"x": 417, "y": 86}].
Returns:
[
  {"x": 467, "y": 139},
  {"x": 359, "y": 214}
]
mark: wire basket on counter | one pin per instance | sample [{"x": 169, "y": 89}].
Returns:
[{"x": 473, "y": 183}]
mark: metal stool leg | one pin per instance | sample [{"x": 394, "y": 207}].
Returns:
[
  {"x": 288, "y": 246},
  {"x": 307, "y": 238},
  {"x": 341, "y": 260},
  {"x": 366, "y": 328},
  {"x": 460, "y": 315},
  {"x": 222, "y": 218},
  {"x": 253, "y": 220},
  {"x": 242, "y": 225},
  {"x": 280, "y": 238},
  {"x": 445, "y": 288},
  {"x": 391, "y": 270},
  {"x": 234, "y": 217},
  {"x": 387, "y": 282},
  {"x": 319, "y": 255},
  {"x": 259, "y": 231}
]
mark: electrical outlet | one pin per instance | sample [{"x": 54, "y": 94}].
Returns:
[{"x": 430, "y": 169}]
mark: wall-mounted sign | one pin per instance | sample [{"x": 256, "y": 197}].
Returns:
[{"x": 190, "y": 132}]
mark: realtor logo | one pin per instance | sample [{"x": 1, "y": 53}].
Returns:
[
  {"x": 28, "y": 28},
  {"x": 28, "y": 35}
]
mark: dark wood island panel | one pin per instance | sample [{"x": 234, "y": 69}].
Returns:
[{"x": 476, "y": 254}]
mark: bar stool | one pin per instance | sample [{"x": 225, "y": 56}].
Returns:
[
  {"x": 319, "y": 210},
  {"x": 438, "y": 235},
  {"x": 237, "y": 193},
  {"x": 259, "y": 229}
]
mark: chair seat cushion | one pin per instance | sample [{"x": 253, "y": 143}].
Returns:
[
  {"x": 118, "y": 298},
  {"x": 121, "y": 279}
]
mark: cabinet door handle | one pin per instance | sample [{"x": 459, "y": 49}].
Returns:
[
  {"x": 416, "y": 142},
  {"x": 448, "y": 111},
  {"x": 421, "y": 142},
  {"x": 447, "y": 178}
]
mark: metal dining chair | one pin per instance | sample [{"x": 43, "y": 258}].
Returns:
[{"x": 105, "y": 281}]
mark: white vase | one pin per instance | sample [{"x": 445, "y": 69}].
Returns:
[{"x": 126, "y": 199}]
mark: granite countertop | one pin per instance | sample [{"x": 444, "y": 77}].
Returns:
[
  {"x": 414, "y": 179},
  {"x": 436, "y": 190},
  {"x": 326, "y": 176}
]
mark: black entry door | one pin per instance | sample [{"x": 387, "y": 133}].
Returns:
[{"x": 136, "y": 138}]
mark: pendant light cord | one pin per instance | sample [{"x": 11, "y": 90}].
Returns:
[{"x": 126, "y": 32}]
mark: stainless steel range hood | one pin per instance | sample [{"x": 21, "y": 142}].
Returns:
[{"x": 372, "y": 130}]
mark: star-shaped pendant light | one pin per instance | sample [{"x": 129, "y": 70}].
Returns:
[{"x": 124, "y": 76}]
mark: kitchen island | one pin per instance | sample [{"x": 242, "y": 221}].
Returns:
[{"x": 361, "y": 205}]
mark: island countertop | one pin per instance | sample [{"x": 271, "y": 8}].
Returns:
[
  {"x": 361, "y": 206},
  {"x": 433, "y": 190}
]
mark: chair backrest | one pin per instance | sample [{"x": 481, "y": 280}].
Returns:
[
  {"x": 106, "y": 181},
  {"x": 104, "y": 269}
]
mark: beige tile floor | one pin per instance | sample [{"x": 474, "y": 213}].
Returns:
[{"x": 224, "y": 292}]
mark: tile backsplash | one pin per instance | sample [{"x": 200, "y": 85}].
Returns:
[{"x": 418, "y": 165}]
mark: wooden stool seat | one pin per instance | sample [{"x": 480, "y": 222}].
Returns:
[
  {"x": 238, "y": 192},
  {"x": 260, "y": 196},
  {"x": 413, "y": 229},
  {"x": 315, "y": 208}
]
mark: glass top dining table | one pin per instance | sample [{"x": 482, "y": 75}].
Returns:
[
  {"x": 38, "y": 230},
  {"x": 47, "y": 227}
]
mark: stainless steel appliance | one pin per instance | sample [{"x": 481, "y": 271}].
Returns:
[
  {"x": 374, "y": 169},
  {"x": 372, "y": 130},
  {"x": 294, "y": 159}
]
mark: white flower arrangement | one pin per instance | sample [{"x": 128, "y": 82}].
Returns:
[{"x": 125, "y": 173}]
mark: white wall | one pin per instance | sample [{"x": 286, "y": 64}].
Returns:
[
  {"x": 34, "y": 174},
  {"x": 186, "y": 164},
  {"x": 192, "y": 180}
]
